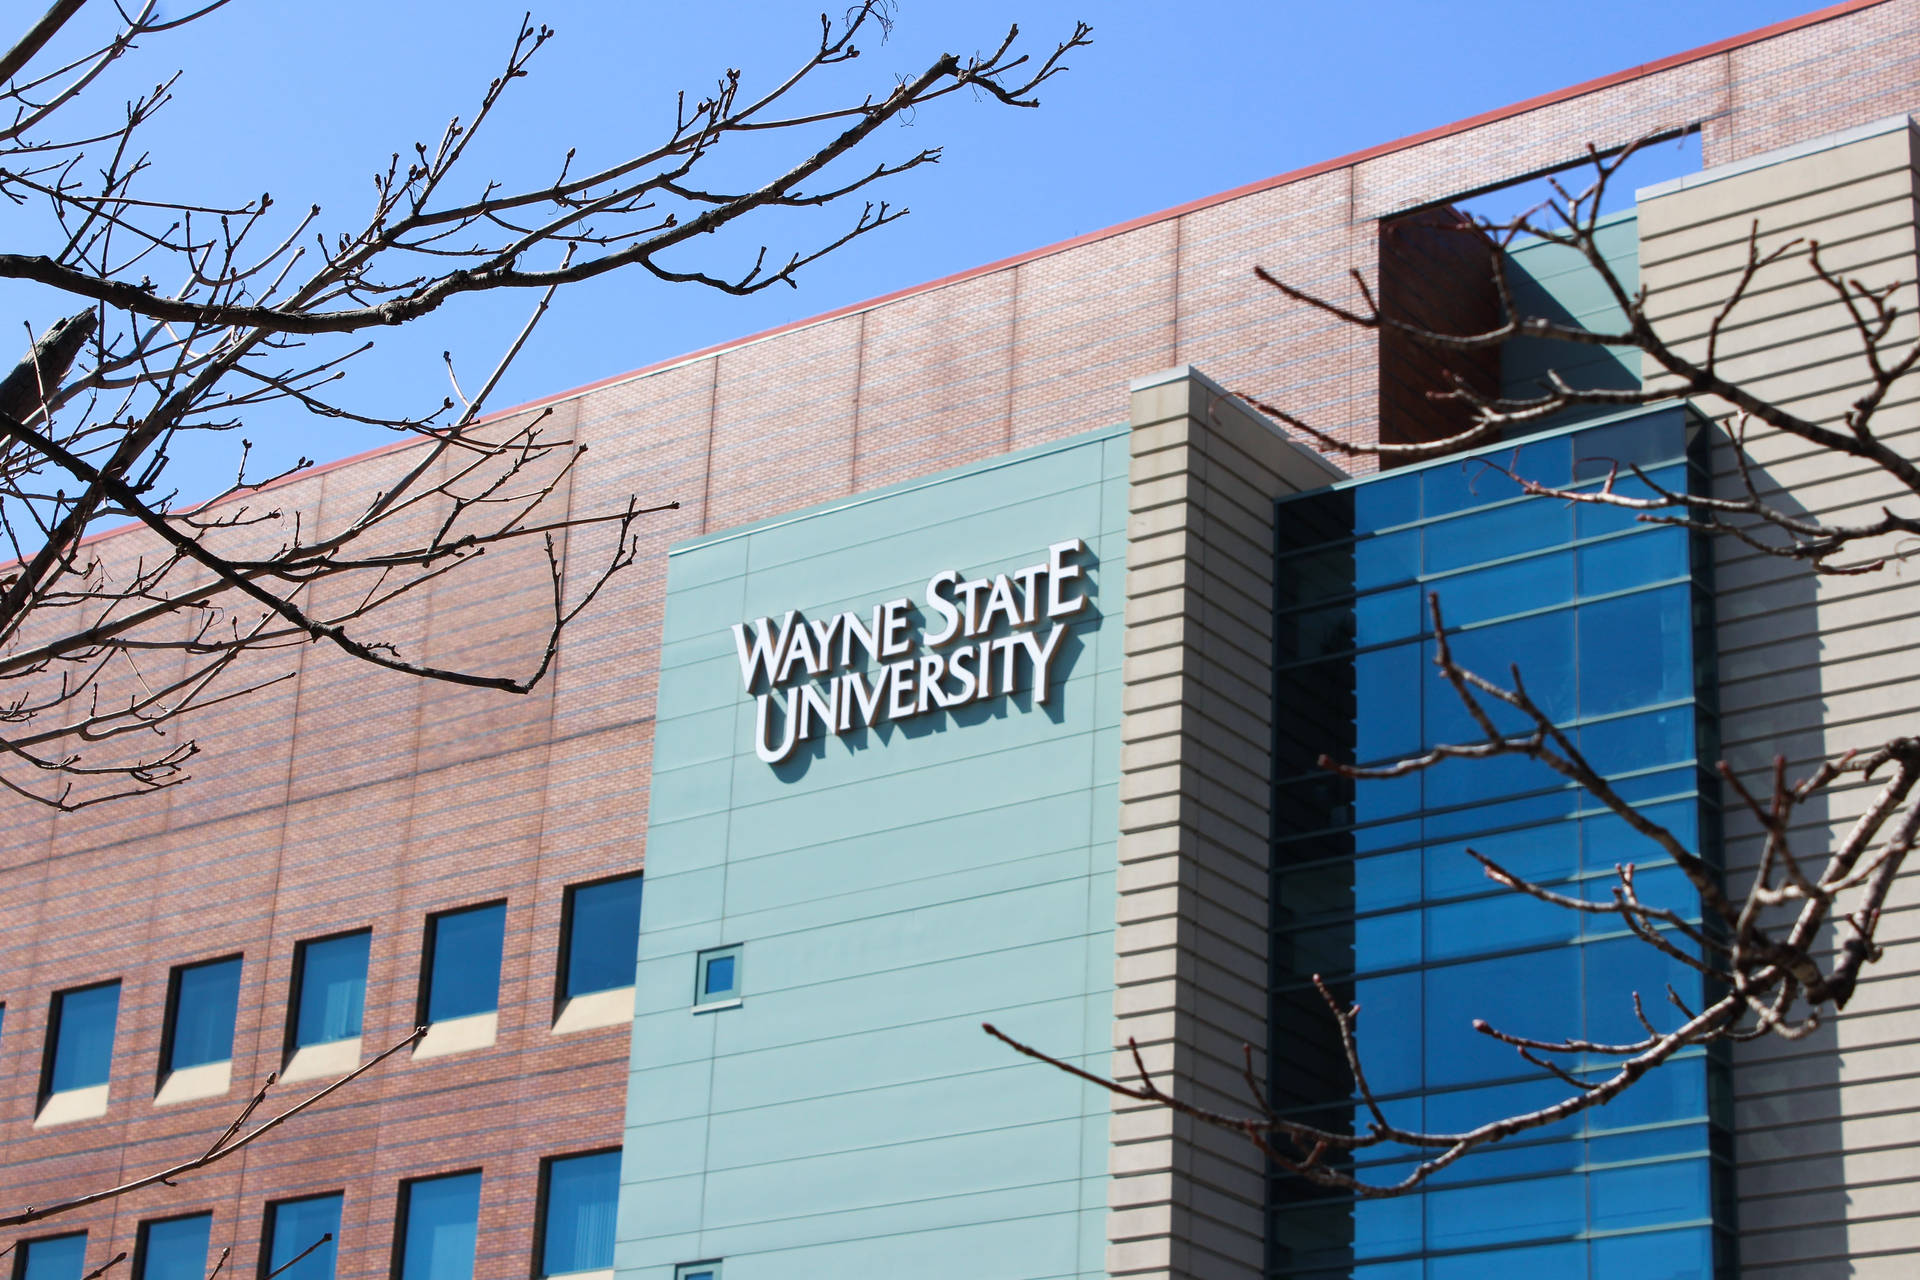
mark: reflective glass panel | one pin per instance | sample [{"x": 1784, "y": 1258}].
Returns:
[
  {"x": 206, "y": 1002},
  {"x": 577, "y": 1231},
  {"x": 442, "y": 1225},
  {"x": 603, "y": 935},
  {"x": 307, "y": 1229},
  {"x": 333, "y": 989},
  {"x": 55, "y": 1258},
  {"x": 83, "y": 1042},
  {"x": 466, "y": 962},
  {"x": 174, "y": 1248}
]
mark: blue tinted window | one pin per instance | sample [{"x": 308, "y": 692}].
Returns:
[
  {"x": 295, "y": 1227},
  {"x": 603, "y": 935},
  {"x": 206, "y": 1001},
  {"x": 1497, "y": 533},
  {"x": 1527, "y": 995},
  {"x": 577, "y": 1230},
  {"x": 1385, "y": 724},
  {"x": 1635, "y": 650},
  {"x": 697, "y": 1271},
  {"x": 1665, "y": 1255},
  {"x": 718, "y": 974},
  {"x": 174, "y": 1248},
  {"x": 1517, "y": 587},
  {"x": 333, "y": 989},
  {"x": 1619, "y": 564},
  {"x": 1639, "y": 442},
  {"x": 1386, "y": 503},
  {"x": 1619, "y": 673},
  {"x": 83, "y": 1039},
  {"x": 442, "y": 1225},
  {"x": 1386, "y": 616},
  {"x": 466, "y": 962},
  {"x": 1383, "y": 561},
  {"x": 55, "y": 1258}
]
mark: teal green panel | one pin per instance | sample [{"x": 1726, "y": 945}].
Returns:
[
  {"x": 870, "y": 863},
  {"x": 891, "y": 890},
  {"x": 921, "y": 1111},
  {"x": 911, "y": 1049},
  {"x": 866, "y": 909},
  {"x": 713, "y": 563},
  {"x": 695, "y": 738},
  {"x": 690, "y": 844},
  {"x": 710, "y": 684},
  {"x": 699, "y": 612}
]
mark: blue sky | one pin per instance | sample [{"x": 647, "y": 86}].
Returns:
[{"x": 1169, "y": 104}]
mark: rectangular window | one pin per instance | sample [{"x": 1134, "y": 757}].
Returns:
[
  {"x": 462, "y": 970},
  {"x": 203, "y": 1001},
  {"x": 307, "y": 1229},
  {"x": 330, "y": 985},
  {"x": 602, "y": 931},
  {"x": 717, "y": 976},
  {"x": 438, "y": 1225},
  {"x": 708, "y": 1270},
  {"x": 173, "y": 1248},
  {"x": 80, "y": 1038},
  {"x": 52, "y": 1258},
  {"x": 577, "y": 1199}
]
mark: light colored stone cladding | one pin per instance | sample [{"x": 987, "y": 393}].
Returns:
[
  {"x": 1828, "y": 1128},
  {"x": 1196, "y": 728}
]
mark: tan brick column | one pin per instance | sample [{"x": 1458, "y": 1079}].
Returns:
[{"x": 1191, "y": 944}]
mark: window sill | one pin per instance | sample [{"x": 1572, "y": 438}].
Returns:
[
  {"x": 715, "y": 1006},
  {"x": 309, "y": 1062},
  {"x": 595, "y": 1009},
  {"x": 459, "y": 1035},
  {"x": 189, "y": 1084},
  {"x": 73, "y": 1104}
]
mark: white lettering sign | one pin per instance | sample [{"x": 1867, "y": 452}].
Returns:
[{"x": 811, "y": 678}]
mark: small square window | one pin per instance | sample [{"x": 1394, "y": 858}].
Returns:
[
  {"x": 461, "y": 975},
  {"x": 80, "y": 1038},
  {"x": 173, "y": 1248},
  {"x": 717, "y": 976},
  {"x": 202, "y": 1003},
  {"x": 52, "y": 1258},
  {"x": 708, "y": 1270},
  {"x": 330, "y": 989},
  {"x": 439, "y": 1226},
  {"x": 578, "y": 1195},
  {"x": 602, "y": 933},
  {"x": 307, "y": 1229}
]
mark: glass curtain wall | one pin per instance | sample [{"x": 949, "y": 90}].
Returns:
[{"x": 1608, "y": 621}]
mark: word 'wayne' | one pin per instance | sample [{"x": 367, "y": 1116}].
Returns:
[{"x": 910, "y": 676}]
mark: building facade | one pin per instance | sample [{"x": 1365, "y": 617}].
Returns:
[{"x": 980, "y": 677}]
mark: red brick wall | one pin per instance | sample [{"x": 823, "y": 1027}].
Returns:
[{"x": 348, "y": 798}]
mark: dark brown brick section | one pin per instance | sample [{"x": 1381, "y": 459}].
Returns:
[
  {"x": 1436, "y": 273},
  {"x": 348, "y": 798}
]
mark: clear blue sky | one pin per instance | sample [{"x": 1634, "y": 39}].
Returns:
[{"x": 1171, "y": 103}]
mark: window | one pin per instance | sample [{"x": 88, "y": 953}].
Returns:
[
  {"x": 173, "y": 1248},
  {"x": 79, "y": 1053},
  {"x": 330, "y": 989},
  {"x": 708, "y": 1270},
  {"x": 462, "y": 969},
  {"x": 438, "y": 1225},
  {"x": 602, "y": 931},
  {"x": 717, "y": 976},
  {"x": 307, "y": 1229},
  {"x": 196, "y": 1048},
  {"x": 53, "y": 1258},
  {"x": 577, "y": 1199}
]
